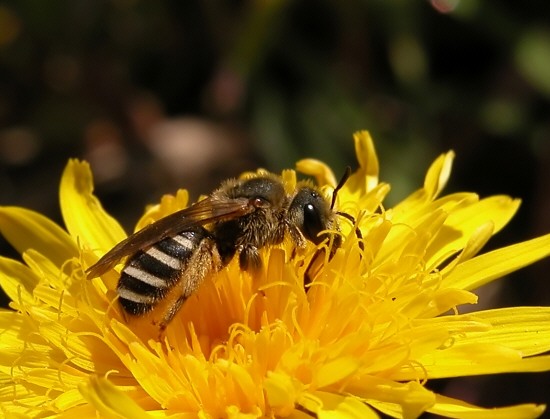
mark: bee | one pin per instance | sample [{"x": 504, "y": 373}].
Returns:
[{"x": 175, "y": 254}]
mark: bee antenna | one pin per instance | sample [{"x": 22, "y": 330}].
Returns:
[{"x": 343, "y": 180}]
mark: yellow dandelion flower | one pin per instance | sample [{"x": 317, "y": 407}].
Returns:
[{"x": 379, "y": 320}]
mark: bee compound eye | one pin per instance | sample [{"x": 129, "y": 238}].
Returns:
[
  {"x": 309, "y": 212},
  {"x": 313, "y": 223}
]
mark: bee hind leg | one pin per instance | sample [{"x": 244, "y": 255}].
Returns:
[{"x": 174, "y": 308}]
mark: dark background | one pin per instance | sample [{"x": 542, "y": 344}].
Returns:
[{"x": 167, "y": 94}]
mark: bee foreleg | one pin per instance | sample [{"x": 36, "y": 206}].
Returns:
[
  {"x": 313, "y": 267},
  {"x": 316, "y": 262}
]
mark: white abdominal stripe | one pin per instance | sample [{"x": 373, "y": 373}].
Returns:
[
  {"x": 143, "y": 276},
  {"x": 165, "y": 258},
  {"x": 134, "y": 297},
  {"x": 185, "y": 242}
]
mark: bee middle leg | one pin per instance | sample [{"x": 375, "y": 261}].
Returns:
[
  {"x": 249, "y": 258},
  {"x": 316, "y": 261}
]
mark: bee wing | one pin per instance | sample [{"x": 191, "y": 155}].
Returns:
[{"x": 203, "y": 212}]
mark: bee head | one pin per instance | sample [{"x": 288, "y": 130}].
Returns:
[{"x": 311, "y": 213}]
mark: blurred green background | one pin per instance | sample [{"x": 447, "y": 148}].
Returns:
[{"x": 165, "y": 94}]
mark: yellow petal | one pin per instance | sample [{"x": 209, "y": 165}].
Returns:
[
  {"x": 322, "y": 173},
  {"x": 68, "y": 400},
  {"x": 509, "y": 335},
  {"x": 366, "y": 156},
  {"x": 84, "y": 217},
  {"x": 473, "y": 246},
  {"x": 453, "y": 408},
  {"x": 435, "y": 180},
  {"x": 526, "y": 329},
  {"x": 366, "y": 177},
  {"x": 485, "y": 268},
  {"x": 330, "y": 405},
  {"x": 447, "y": 299},
  {"x": 18, "y": 282},
  {"x": 26, "y": 229},
  {"x": 499, "y": 209},
  {"x": 110, "y": 401},
  {"x": 26, "y": 400},
  {"x": 539, "y": 363},
  {"x": 10, "y": 323},
  {"x": 168, "y": 205},
  {"x": 438, "y": 174},
  {"x": 408, "y": 399},
  {"x": 281, "y": 392},
  {"x": 14, "y": 415},
  {"x": 336, "y": 370},
  {"x": 463, "y": 223},
  {"x": 465, "y": 359},
  {"x": 50, "y": 274}
]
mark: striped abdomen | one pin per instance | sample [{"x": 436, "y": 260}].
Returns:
[{"x": 150, "y": 274}]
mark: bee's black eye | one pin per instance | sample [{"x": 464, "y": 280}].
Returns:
[
  {"x": 313, "y": 223},
  {"x": 310, "y": 213}
]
